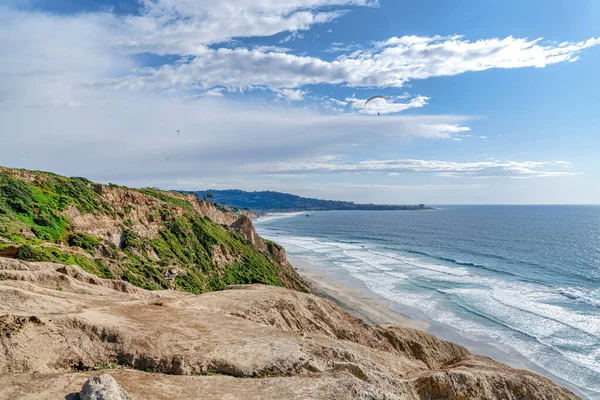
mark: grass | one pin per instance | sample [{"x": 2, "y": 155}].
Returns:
[
  {"x": 38, "y": 206},
  {"x": 187, "y": 241},
  {"x": 32, "y": 213},
  {"x": 86, "y": 242},
  {"x": 38, "y": 253}
]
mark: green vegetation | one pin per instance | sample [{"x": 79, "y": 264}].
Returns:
[
  {"x": 276, "y": 201},
  {"x": 34, "y": 221},
  {"x": 188, "y": 242},
  {"x": 84, "y": 241},
  {"x": 38, "y": 206},
  {"x": 38, "y": 253},
  {"x": 102, "y": 367}
]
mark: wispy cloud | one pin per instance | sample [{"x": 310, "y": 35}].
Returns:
[
  {"x": 291, "y": 95},
  {"x": 337, "y": 47},
  {"x": 479, "y": 169},
  {"x": 181, "y": 27},
  {"x": 132, "y": 134},
  {"x": 291, "y": 37}
]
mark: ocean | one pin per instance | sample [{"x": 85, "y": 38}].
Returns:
[{"x": 523, "y": 280}]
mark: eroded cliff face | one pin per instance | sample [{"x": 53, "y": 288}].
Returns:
[
  {"x": 245, "y": 227},
  {"x": 59, "y": 324},
  {"x": 151, "y": 238}
]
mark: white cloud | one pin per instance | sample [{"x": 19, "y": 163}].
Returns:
[
  {"x": 337, "y": 47},
  {"x": 38, "y": 72},
  {"x": 290, "y": 94},
  {"x": 382, "y": 106},
  {"x": 59, "y": 72},
  {"x": 265, "y": 49},
  {"x": 337, "y": 102},
  {"x": 183, "y": 26},
  {"x": 388, "y": 64},
  {"x": 103, "y": 47},
  {"x": 214, "y": 92},
  {"x": 483, "y": 137},
  {"x": 480, "y": 169}
]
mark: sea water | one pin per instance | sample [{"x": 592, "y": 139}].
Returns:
[{"x": 523, "y": 279}]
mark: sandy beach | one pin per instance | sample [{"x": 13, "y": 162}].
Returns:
[
  {"x": 355, "y": 298},
  {"x": 360, "y": 302}
]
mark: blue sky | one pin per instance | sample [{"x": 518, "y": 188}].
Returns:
[{"x": 487, "y": 102}]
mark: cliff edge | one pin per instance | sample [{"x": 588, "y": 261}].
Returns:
[{"x": 59, "y": 325}]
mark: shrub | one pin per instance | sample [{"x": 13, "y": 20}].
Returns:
[
  {"x": 84, "y": 241},
  {"x": 130, "y": 240}
]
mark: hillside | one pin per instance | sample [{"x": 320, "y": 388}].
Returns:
[
  {"x": 276, "y": 201},
  {"x": 150, "y": 238},
  {"x": 59, "y": 326}
]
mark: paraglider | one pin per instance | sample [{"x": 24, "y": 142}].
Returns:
[{"x": 375, "y": 98}]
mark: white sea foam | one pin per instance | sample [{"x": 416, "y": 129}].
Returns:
[
  {"x": 530, "y": 319},
  {"x": 273, "y": 216}
]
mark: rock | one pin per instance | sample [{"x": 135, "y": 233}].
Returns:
[
  {"x": 244, "y": 226},
  {"x": 212, "y": 212},
  {"x": 103, "y": 387},
  {"x": 276, "y": 251},
  {"x": 289, "y": 345}
]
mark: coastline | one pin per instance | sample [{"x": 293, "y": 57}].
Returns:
[
  {"x": 361, "y": 303},
  {"x": 354, "y": 297}
]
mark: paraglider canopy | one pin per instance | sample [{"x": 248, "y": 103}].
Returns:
[
  {"x": 373, "y": 98},
  {"x": 376, "y": 104}
]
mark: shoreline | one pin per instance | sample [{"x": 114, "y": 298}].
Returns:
[
  {"x": 354, "y": 297},
  {"x": 369, "y": 307}
]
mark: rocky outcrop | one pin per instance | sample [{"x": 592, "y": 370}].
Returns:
[
  {"x": 244, "y": 226},
  {"x": 276, "y": 251},
  {"x": 168, "y": 344},
  {"x": 210, "y": 211},
  {"x": 103, "y": 387}
]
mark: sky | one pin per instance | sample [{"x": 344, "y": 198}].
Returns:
[{"x": 486, "y": 102}]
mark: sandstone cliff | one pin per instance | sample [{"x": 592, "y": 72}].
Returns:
[
  {"x": 151, "y": 238},
  {"x": 59, "y": 324}
]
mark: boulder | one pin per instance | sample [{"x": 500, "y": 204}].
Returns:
[{"x": 103, "y": 387}]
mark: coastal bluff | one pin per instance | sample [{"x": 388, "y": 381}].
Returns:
[
  {"x": 151, "y": 294},
  {"x": 60, "y": 326}
]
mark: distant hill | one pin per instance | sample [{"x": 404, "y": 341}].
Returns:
[{"x": 276, "y": 201}]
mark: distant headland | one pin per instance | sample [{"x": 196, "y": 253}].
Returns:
[{"x": 269, "y": 201}]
